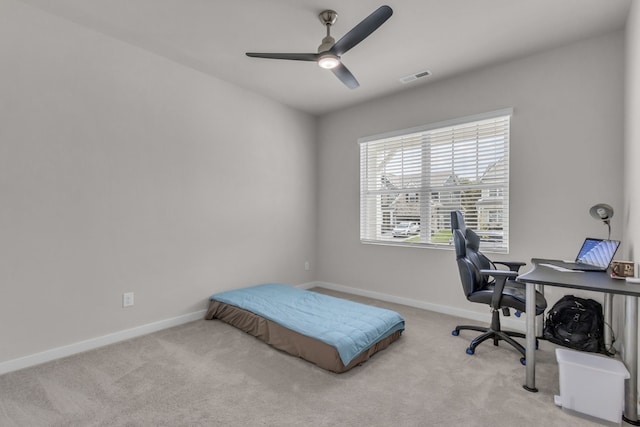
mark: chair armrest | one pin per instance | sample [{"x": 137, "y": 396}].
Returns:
[
  {"x": 501, "y": 277},
  {"x": 512, "y": 265},
  {"x": 499, "y": 273}
]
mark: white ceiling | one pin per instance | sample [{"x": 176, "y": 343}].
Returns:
[{"x": 446, "y": 37}]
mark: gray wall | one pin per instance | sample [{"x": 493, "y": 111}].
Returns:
[
  {"x": 630, "y": 213},
  {"x": 123, "y": 171},
  {"x": 631, "y": 210},
  {"x": 566, "y": 155}
]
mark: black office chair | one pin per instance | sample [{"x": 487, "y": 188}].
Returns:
[{"x": 483, "y": 283}]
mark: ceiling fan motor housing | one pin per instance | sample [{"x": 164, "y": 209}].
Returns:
[{"x": 327, "y": 43}]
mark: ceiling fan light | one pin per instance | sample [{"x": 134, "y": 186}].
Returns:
[{"x": 328, "y": 61}]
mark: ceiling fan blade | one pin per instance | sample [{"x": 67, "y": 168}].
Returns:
[
  {"x": 291, "y": 56},
  {"x": 362, "y": 30},
  {"x": 345, "y": 76}
]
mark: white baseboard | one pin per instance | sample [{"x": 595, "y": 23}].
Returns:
[
  {"x": 90, "y": 344},
  {"x": 513, "y": 323}
]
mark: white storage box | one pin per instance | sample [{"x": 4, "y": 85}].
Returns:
[{"x": 591, "y": 384}]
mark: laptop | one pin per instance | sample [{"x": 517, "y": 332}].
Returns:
[{"x": 594, "y": 255}]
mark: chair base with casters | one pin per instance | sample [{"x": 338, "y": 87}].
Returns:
[{"x": 495, "y": 333}]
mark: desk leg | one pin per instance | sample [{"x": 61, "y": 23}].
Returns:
[
  {"x": 608, "y": 321},
  {"x": 530, "y": 381},
  {"x": 540, "y": 319},
  {"x": 630, "y": 358}
]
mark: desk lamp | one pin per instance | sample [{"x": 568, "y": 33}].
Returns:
[{"x": 603, "y": 212}]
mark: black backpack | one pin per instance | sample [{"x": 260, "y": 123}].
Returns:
[{"x": 576, "y": 323}]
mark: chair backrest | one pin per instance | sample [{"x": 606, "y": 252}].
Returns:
[
  {"x": 472, "y": 242},
  {"x": 468, "y": 256},
  {"x": 473, "y": 251},
  {"x": 457, "y": 222},
  {"x": 470, "y": 276}
]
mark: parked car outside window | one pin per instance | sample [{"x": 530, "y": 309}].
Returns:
[{"x": 405, "y": 228}]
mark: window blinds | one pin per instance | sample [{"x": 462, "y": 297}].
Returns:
[{"x": 412, "y": 180}]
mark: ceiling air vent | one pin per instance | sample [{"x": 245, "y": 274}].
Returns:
[{"x": 416, "y": 76}]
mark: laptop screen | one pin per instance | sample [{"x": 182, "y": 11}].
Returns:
[{"x": 597, "y": 252}]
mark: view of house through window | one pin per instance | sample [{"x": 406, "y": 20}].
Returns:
[{"x": 411, "y": 180}]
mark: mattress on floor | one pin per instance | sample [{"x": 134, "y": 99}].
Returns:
[{"x": 334, "y": 333}]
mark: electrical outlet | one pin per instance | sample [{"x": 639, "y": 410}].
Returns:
[
  {"x": 306, "y": 265},
  {"x": 127, "y": 299}
]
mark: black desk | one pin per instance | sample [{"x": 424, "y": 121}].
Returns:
[{"x": 542, "y": 275}]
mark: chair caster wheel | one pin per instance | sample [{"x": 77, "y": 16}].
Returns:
[
  {"x": 470, "y": 351},
  {"x": 455, "y": 333},
  {"x": 523, "y": 361}
]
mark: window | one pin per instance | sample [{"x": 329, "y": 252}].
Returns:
[{"x": 420, "y": 175}]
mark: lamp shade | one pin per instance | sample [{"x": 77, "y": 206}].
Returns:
[{"x": 601, "y": 211}]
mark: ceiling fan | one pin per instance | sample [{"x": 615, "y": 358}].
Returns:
[{"x": 330, "y": 51}]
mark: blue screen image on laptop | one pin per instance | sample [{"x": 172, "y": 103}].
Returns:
[{"x": 597, "y": 252}]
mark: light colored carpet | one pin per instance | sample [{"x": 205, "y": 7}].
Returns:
[{"x": 207, "y": 373}]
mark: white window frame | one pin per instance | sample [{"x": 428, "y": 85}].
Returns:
[{"x": 402, "y": 179}]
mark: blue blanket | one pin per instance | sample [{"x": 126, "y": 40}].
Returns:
[{"x": 348, "y": 326}]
